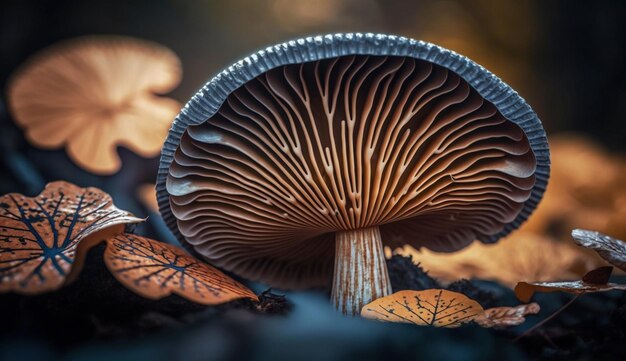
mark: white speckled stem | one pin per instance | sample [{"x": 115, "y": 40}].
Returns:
[{"x": 360, "y": 270}]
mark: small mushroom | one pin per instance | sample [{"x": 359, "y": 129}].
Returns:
[{"x": 297, "y": 164}]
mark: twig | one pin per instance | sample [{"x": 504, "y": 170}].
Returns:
[
  {"x": 530, "y": 330},
  {"x": 548, "y": 339}
]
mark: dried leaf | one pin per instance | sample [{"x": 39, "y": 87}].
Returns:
[
  {"x": 154, "y": 270},
  {"x": 611, "y": 249},
  {"x": 42, "y": 238},
  {"x": 585, "y": 190},
  {"x": 94, "y": 93},
  {"x": 507, "y": 316},
  {"x": 525, "y": 290},
  {"x": 434, "y": 307},
  {"x": 598, "y": 276},
  {"x": 508, "y": 261}
]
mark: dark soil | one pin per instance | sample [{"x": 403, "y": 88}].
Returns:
[
  {"x": 97, "y": 313},
  {"x": 592, "y": 328},
  {"x": 406, "y": 275},
  {"x": 97, "y": 306}
]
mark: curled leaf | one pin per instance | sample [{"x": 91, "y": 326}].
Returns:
[
  {"x": 154, "y": 270},
  {"x": 598, "y": 276},
  {"x": 42, "y": 239},
  {"x": 525, "y": 290},
  {"x": 434, "y": 307},
  {"x": 611, "y": 249},
  {"x": 507, "y": 316}
]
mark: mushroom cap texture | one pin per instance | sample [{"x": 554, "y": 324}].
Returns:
[{"x": 338, "y": 132}]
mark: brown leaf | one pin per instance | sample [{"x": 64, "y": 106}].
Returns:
[
  {"x": 94, "y": 93},
  {"x": 525, "y": 290},
  {"x": 507, "y": 316},
  {"x": 434, "y": 307},
  {"x": 508, "y": 261},
  {"x": 154, "y": 270},
  {"x": 611, "y": 249},
  {"x": 598, "y": 276},
  {"x": 586, "y": 190},
  {"x": 43, "y": 238}
]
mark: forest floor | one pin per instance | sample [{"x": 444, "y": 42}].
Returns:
[{"x": 97, "y": 318}]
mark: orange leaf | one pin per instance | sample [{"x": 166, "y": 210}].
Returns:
[
  {"x": 94, "y": 93},
  {"x": 510, "y": 260},
  {"x": 154, "y": 270},
  {"x": 507, "y": 316},
  {"x": 42, "y": 239},
  {"x": 434, "y": 307},
  {"x": 525, "y": 290},
  {"x": 611, "y": 249}
]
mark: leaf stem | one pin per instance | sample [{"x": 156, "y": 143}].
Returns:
[{"x": 553, "y": 315}]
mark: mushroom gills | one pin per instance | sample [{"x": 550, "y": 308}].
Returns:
[{"x": 305, "y": 155}]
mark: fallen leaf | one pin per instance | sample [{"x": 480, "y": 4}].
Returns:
[
  {"x": 42, "y": 239},
  {"x": 508, "y": 261},
  {"x": 94, "y": 93},
  {"x": 155, "y": 269},
  {"x": 434, "y": 307},
  {"x": 525, "y": 290},
  {"x": 507, "y": 316},
  {"x": 611, "y": 249},
  {"x": 585, "y": 189}
]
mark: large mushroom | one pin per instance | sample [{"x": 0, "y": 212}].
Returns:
[{"x": 295, "y": 165}]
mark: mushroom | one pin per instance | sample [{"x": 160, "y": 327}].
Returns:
[{"x": 297, "y": 164}]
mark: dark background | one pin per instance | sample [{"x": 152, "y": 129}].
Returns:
[{"x": 566, "y": 58}]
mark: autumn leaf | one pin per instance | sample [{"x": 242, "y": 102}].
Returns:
[
  {"x": 590, "y": 283},
  {"x": 507, "y": 316},
  {"x": 154, "y": 270},
  {"x": 42, "y": 239},
  {"x": 92, "y": 94},
  {"x": 586, "y": 184},
  {"x": 611, "y": 249},
  {"x": 434, "y": 307},
  {"x": 508, "y": 261}
]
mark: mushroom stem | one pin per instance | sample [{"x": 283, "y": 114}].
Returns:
[{"x": 360, "y": 270}]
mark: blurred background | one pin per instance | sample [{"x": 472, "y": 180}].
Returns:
[{"x": 566, "y": 58}]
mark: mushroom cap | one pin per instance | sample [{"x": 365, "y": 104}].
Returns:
[{"x": 338, "y": 132}]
